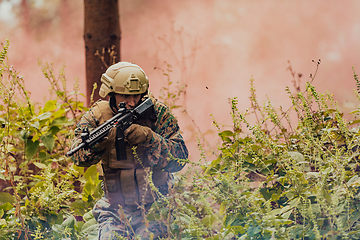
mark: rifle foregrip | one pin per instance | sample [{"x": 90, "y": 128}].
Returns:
[{"x": 72, "y": 151}]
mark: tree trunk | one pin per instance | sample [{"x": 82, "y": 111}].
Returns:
[
  {"x": 101, "y": 35},
  {"x": 25, "y": 12}
]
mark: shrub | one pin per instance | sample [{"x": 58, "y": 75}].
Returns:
[
  {"x": 277, "y": 180},
  {"x": 40, "y": 188}
]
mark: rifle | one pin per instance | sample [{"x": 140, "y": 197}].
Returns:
[{"x": 122, "y": 120}]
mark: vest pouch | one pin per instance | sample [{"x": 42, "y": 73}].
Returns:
[
  {"x": 129, "y": 187},
  {"x": 145, "y": 192},
  {"x": 113, "y": 188}
]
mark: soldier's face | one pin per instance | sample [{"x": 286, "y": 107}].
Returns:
[{"x": 130, "y": 101}]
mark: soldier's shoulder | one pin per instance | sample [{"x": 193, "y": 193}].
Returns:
[
  {"x": 99, "y": 107},
  {"x": 162, "y": 110},
  {"x": 158, "y": 105},
  {"x": 100, "y": 103}
]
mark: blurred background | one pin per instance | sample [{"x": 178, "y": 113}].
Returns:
[{"x": 213, "y": 46}]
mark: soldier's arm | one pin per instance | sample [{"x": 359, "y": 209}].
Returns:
[
  {"x": 166, "y": 145},
  {"x": 90, "y": 156}
]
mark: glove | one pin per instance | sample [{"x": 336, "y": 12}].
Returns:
[
  {"x": 136, "y": 134},
  {"x": 107, "y": 141}
]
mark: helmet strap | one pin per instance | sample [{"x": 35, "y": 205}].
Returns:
[
  {"x": 112, "y": 103},
  {"x": 144, "y": 96}
]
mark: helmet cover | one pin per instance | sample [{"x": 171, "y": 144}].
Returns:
[{"x": 124, "y": 78}]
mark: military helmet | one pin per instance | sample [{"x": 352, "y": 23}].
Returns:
[{"x": 124, "y": 78}]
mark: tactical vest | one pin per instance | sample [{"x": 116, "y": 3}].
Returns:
[{"x": 126, "y": 181}]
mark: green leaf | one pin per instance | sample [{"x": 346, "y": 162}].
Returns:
[
  {"x": 313, "y": 175},
  {"x": 39, "y": 165},
  {"x": 35, "y": 125},
  {"x": 191, "y": 207},
  {"x": 208, "y": 220},
  {"x": 31, "y": 148},
  {"x": 327, "y": 196},
  {"x": 185, "y": 218},
  {"x": 87, "y": 216},
  {"x": 89, "y": 223},
  {"x": 254, "y": 231},
  {"x": 265, "y": 193},
  {"x": 226, "y": 133},
  {"x": 230, "y": 219},
  {"x": 69, "y": 222},
  {"x": 58, "y": 228},
  {"x": 275, "y": 196},
  {"x": 44, "y": 116},
  {"x": 6, "y": 198},
  {"x": 54, "y": 130},
  {"x": 98, "y": 192},
  {"x": 7, "y": 206},
  {"x": 2, "y": 176},
  {"x": 38, "y": 177},
  {"x": 294, "y": 202},
  {"x": 48, "y": 141},
  {"x": 88, "y": 187},
  {"x": 91, "y": 230},
  {"x": 238, "y": 229},
  {"x": 59, "y": 113},
  {"x": 353, "y": 179},
  {"x": 354, "y": 217},
  {"x": 61, "y": 121},
  {"x": 78, "y": 204},
  {"x": 287, "y": 214},
  {"x": 50, "y": 106},
  {"x": 43, "y": 156},
  {"x": 24, "y": 134},
  {"x": 354, "y": 122},
  {"x": 296, "y": 156},
  {"x": 274, "y": 212},
  {"x": 37, "y": 186},
  {"x": 222, "y": 208},
  {"x": 91, "y": 172}
]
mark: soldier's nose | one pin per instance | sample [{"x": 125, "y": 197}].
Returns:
[{"x": 131, "y": 102}]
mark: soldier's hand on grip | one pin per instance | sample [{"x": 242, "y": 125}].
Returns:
[
  {"x": 107, "y": 141},
  {"x": 136, "y": 134}
]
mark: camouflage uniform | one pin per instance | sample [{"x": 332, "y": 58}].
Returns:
[{"x": 159, "y": 154}]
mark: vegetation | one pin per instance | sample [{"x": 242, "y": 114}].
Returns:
[
  {"x": 290, "y": 175},
  {"x": 41, "y": 191}
]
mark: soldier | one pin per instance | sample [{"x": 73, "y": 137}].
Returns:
[{"x": 127, "y": 195}]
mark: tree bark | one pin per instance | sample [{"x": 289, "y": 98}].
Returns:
[
  {"x": 25, "y": 12},
  {"x": 101, "y": 33}
]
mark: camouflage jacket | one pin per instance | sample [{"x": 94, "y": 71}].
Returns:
[{"x": 164, "y": 149}]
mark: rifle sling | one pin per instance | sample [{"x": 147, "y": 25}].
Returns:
[{"x": 120, "y": 145}]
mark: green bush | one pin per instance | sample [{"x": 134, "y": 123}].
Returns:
[
  {"x": 41, "y": 190},
  {"x": 277, "y": 180}
]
